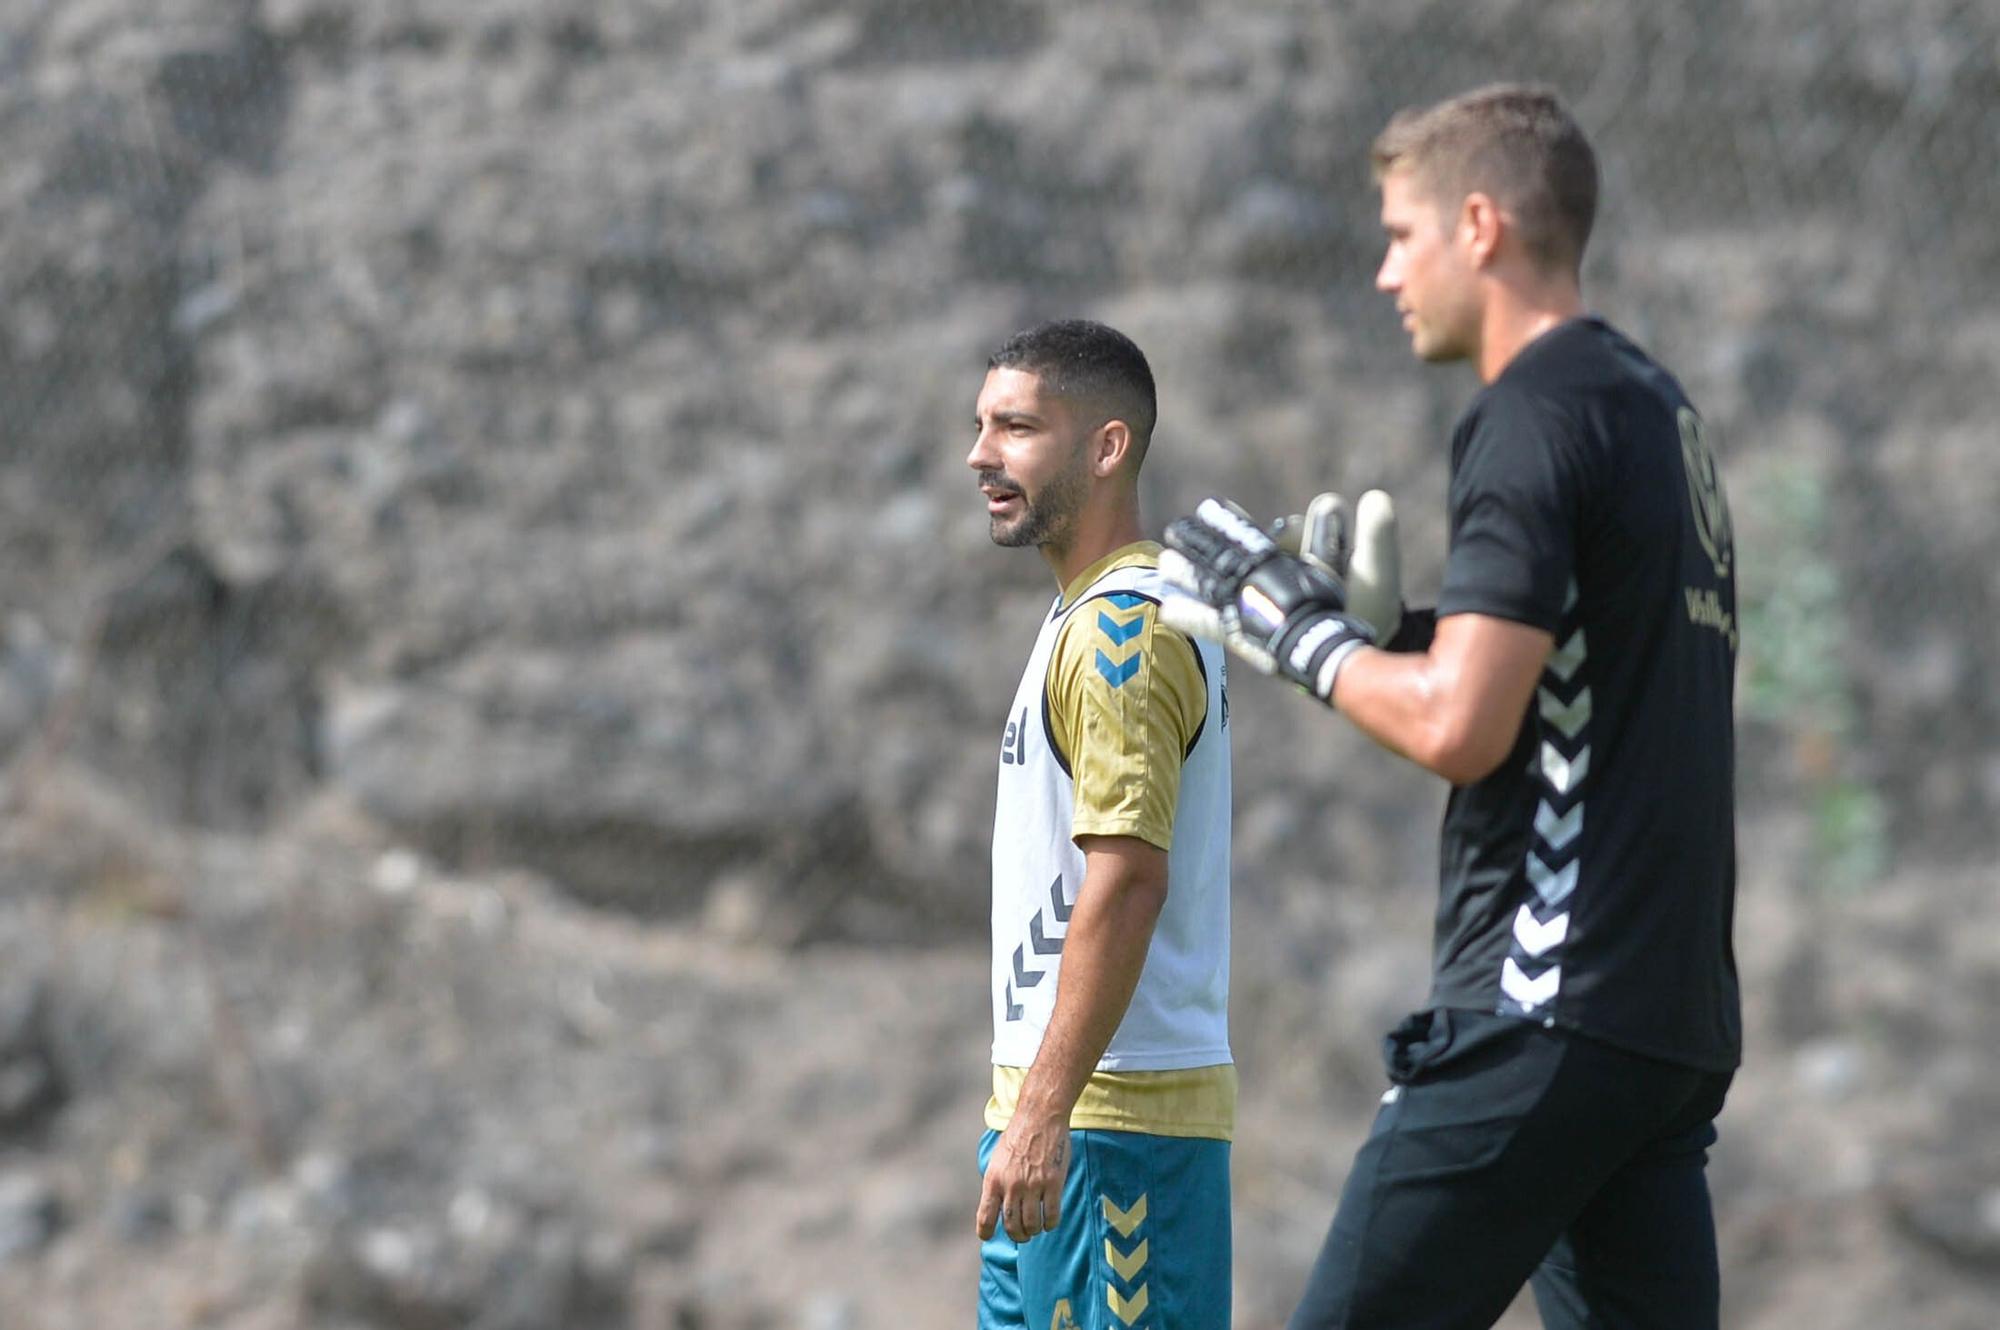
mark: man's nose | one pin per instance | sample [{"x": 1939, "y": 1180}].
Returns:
[{"x": 981, "y": 457}]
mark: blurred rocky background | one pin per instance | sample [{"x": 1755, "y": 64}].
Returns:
[{"x": 501, "y": 661}]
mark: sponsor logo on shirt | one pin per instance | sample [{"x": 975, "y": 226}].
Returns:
[
  {"x": 1705, "y": 611},
  {"x": 1711, "y": 506},
  {"x": 1014, "y": 744}
]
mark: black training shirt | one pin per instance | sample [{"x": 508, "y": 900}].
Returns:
[{"x": 1590, "y": 881}]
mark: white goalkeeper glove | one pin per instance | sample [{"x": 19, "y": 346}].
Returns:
[
  {"x": 1319, "y": 535},
  {"x": 1375, "y": 571},
  {"x": 1361, "y": 551},
  {"x": 1276, "y": 611}
]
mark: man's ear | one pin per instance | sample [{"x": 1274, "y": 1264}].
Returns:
[
  {"x": 1480, "y": 226},
  {"x": 1111, "y": 447}
]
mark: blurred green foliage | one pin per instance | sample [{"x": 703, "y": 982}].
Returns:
[{"x": 1795, "y": 677}]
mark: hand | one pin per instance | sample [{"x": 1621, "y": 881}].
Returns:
[
  {"x": 1023, "y": 1187},
  {"x": 1375, "y": 572},
  {"x": 1320, "y": 535},
  {"x": 1276, "y": 611},
  {"x": 1359, "y": 549}
]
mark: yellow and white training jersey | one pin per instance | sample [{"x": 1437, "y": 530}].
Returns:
[{"x": 1118, "y": 728}]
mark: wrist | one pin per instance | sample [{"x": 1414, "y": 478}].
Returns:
[
  {"x": 1040, "y": 1113},
  {"x": 1312, "y": 651},
  {"x": 1328, "y": 677}
]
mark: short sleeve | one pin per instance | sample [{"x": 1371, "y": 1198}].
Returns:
[
  {"x": 1515, "y": 505},
  {"x": 1127, "y": 699}
]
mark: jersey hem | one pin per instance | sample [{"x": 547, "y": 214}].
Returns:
[
  {"x": 1177, "y": 1061},
  {"x": 1624, "y": 1044},
  {"x": 1472, "y": 604},
  {"x": 1196, "y": 1102},
  {"x": 1219, "y": 1131},
  {"x": 1123, "y": 827},
  {"x": 1646, "y": 1050}
]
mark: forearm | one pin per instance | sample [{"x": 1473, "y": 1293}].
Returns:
[
  {"x": 1397, "y": 698},
  {"x": 1456, "y": 707},
  {"x": 1103, "y": 954}
]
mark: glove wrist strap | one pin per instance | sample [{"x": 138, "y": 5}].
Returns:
[
  {"x": 1329, "y": 670},
  {"x": 1311, "y": 651}
]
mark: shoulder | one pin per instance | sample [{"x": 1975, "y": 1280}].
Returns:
[
  {"x": 1512, "y": 413},
  {"x": 1115, "y": 633},
  {"x": 1514, "y": 436},
  {"x": 1115, "y": 656}
]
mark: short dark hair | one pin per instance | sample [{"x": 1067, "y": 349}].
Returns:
[
  {"x": 1090, "y": 364},
  {"x": 1515, "y": 141}
]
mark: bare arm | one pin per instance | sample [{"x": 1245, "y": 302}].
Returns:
[
  {"x": 1124, "y": 887},
  {"x": 1455, "y": 709}
]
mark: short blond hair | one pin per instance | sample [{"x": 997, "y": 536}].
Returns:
[{"x": 1517, "y": 143}]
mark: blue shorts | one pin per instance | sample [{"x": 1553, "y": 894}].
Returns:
[{"x": 1143, "y": 1243}]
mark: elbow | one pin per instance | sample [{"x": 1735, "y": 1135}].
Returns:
[
  {"x": 1465, "y": 754},
  {"x": 1463, "y": 769},
  {"x": 1125, "y": 869},
  {"x": 1144, "y": 894},
  {"x": 1148, "y": 890}
]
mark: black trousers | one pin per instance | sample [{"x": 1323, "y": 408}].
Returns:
[{"x": 1506, "y": 1152}]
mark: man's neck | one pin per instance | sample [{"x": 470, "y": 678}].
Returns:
[
  {"x": 1516, "y": 317},
  {"x": 1094, "y": 536}
]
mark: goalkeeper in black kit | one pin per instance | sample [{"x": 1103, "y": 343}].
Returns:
[{"x": 1550, "y": 1108}]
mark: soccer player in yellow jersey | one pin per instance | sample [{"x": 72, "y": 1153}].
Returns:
[{"x": 1105, "y": 1200}]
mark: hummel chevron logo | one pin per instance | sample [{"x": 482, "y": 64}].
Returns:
[
  {"x": 1117, "y": 672},
  {"x": 1129, "y": 1309},
  {"x": 1563, "y": 661},
  {"x": 1126, "y": 600},
  {"x": 1013, "y": 1007},
  {"x": 1024, "y": 977},
  {"x": 1124, "y": 1222},
  {"x": 1537, "y": 938},
  {"x": 1552, "y": 886},
  {"x": 1057, "y": 905},
  {"x": 1530, "y": 993},
  {"x": 1120, "y": 633},
  {"x": 1043, "y": 945},
  {"x": 1557, "y": 831},
  {"x": 1129, "y": 1264},
  {"x": 1564, "y": 773},
  {"x": 1569, "y": 718}
]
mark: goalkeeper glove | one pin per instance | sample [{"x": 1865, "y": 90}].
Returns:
[
  {"x": 1319, "y": 535},
  {"x": 1375, "y": 572},
  {"x": 1361, "y": 551},
  {"x": 1276, "y": 611}
]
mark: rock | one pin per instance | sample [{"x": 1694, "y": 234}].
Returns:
[
  {"x": 31, "y": 1214},
  {"x": 140, "y": 1217},
  {"x": 536, "y": 431},
  {"x": 31, "y": 1081},
  {"x": 1960, "y": 1222},
  {"x": 1830, "y": 1068},
  {"x": 479, "y": 470},
  {"x": 423, "y": 1275}
]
